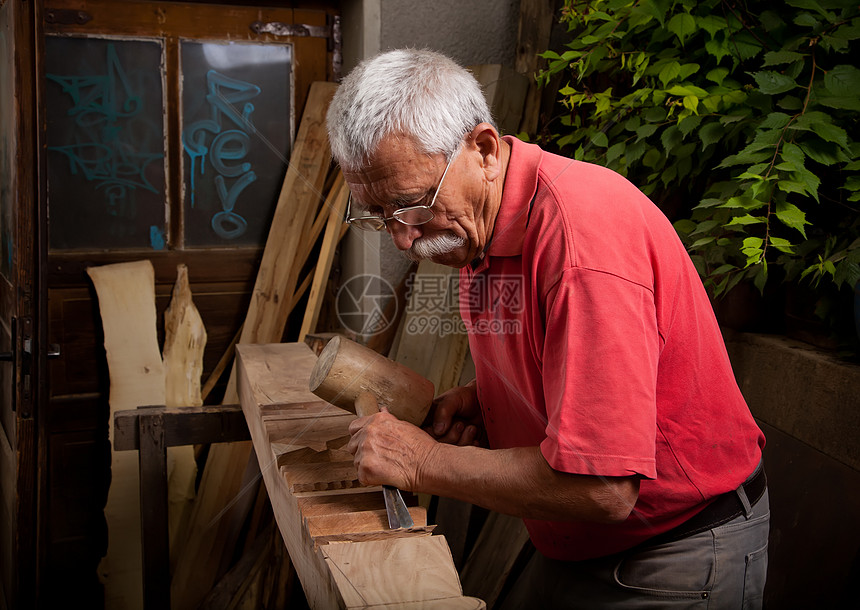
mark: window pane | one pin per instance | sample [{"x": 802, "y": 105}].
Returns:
[
  {"x": 105, "y": 133},
  {"x": 236, "y": 101}
]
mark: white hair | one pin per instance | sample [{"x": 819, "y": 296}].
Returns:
[{"x": 418, "y": 93}]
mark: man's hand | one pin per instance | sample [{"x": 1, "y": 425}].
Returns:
[
  {"x": 455, "y": 417},
  {"x": 389, "y": 451}
]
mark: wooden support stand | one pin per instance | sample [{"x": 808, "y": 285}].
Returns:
[
  {"x": 152, "y": 430},
  {"x": 334, "y": 529}
]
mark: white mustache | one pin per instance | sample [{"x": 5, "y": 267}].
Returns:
[{"x": 434, "y": 245}]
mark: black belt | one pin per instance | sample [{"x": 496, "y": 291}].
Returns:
[{"x": 722, "y": 510}]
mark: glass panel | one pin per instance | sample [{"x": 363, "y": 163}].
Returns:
[
  {"x": 105, "y": 104},
  {"x": 236, "y": 101}
]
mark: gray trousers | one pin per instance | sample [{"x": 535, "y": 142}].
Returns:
[{"x": 724, "y": 567}]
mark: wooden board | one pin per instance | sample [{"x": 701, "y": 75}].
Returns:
[
  {"x": 432, "y": 340},
  {"x": 184, "y": 344},
  {"x": 337, "y": 535},
  {"x": 126, "y": 293},
  {"x": 222, "y": 501},
  {"x": 535, "y": 27},
  {"x": 497, "y": 549},
  {"x": 336, "y": 208},
  {"x": 505, "y": 90}
]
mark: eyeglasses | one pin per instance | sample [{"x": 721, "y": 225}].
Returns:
[{"x": 412, "y": 216}]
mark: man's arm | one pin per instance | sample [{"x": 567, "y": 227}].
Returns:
[
  {"x": 515, "y": 481},
  {"x": 519, "y": 482}
]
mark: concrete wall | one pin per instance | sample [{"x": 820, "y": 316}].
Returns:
[
  {"x": 473, "y": 32},
  {"x": 808, "y": 405}
]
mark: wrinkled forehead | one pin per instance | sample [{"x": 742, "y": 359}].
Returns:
[{"x": 397, "y": 169}]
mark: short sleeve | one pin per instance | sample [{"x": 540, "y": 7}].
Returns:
[{"x": 600, "y": 375}]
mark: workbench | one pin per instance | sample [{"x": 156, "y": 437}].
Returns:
[{"x": 335, "y": 530}]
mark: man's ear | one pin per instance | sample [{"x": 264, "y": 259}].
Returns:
[{"x": 487, "y": 141}]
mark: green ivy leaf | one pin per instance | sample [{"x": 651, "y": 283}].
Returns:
[
  {"x": 793, "y": 154},
  {"x": 771, "y": 20},
  {"x": 753, "y": 242},
  {"x": 688, "y": 124},
  {"x": 848, "y": 31},
  {"x": 775, "y": 120},
  {"x": 600, "y": 139},
  {"x": 810, "y": 181},
  {"x": 686, "y": 89},
  {"x": 711, "y": 24},
  {"x": 687, "y": 70},
  {"x": 691, "y": 103},
  {"x": 704, "y": 227},
  {"x": 614, "y": 151},
  {"x": 745, "y": 158},
  {"x": 669, "y": 73},
  {"x": 839, "y": 103},
  {"x": 710, "y": 133},
  {"x": 783, "y": 245},
  {"x": 685, "y": 226},
  {"x": 652, "y": 158},
  {"x": 745, "y": 45},
  {"x": 723, "y": 269},
  {"x": 760, "y": 278},
  {"x": 826, "y": 153},
  {"x": 682, "y": 25},
  {"x": 717, "y": 75},
  {"x": 790, "y": 186},
  {"x": 812, "y": 5},
  {"x": 634, "y": 151},
  {"x": 773, "y": 83},
  {"x": 821, "y": 124},
  {"x": 843, "y": 80},
  {"x": 791, "y": 216},
  {"x": 644, "y": 131},
  {"x": 807, "y": 20},
  {"x": 746, "y": 219},
  {"x": 775, "y": 58},
  {"x": 701, "y": 242},
  {"x": 671, "y": 137},
  {"x": 719, "y": 48}
]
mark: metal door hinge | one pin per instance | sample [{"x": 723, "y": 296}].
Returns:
[
  {"x": 278, "y": 28},
  {"x": 330, "y": 31}
]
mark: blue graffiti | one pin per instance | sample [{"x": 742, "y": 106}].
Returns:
[
  {"x": 224, "y": 147},
  {"x": 104, "y": 153},
  {"x": 156, "y": 238}
]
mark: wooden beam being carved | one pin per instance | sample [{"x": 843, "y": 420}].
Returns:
[{"x": 335, "y": 530}]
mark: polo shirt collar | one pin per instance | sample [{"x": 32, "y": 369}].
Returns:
[{"x": 520, "y": 187}]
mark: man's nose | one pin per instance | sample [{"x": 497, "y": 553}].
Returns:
[{"x": 403, "y": 235}]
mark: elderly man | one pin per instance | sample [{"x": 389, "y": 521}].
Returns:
[{"x": 614, "y": 426}]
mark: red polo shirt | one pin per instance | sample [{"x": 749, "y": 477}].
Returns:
[{"x": 594, "y": 339}]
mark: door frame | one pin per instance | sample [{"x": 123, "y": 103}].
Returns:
[{"x": 27, "y": 304}]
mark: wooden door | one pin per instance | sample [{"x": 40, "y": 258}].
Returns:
[
  {"x": 21, "y": 339},
  {"x": 159, "y": 145}
]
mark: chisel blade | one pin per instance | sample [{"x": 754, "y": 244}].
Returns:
[{"x": 398, "y": 514}]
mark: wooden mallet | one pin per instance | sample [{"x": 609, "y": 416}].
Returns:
[{"x": 345, "y": 370}]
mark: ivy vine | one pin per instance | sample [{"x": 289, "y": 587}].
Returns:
[{"x": 745, "y": 112}]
